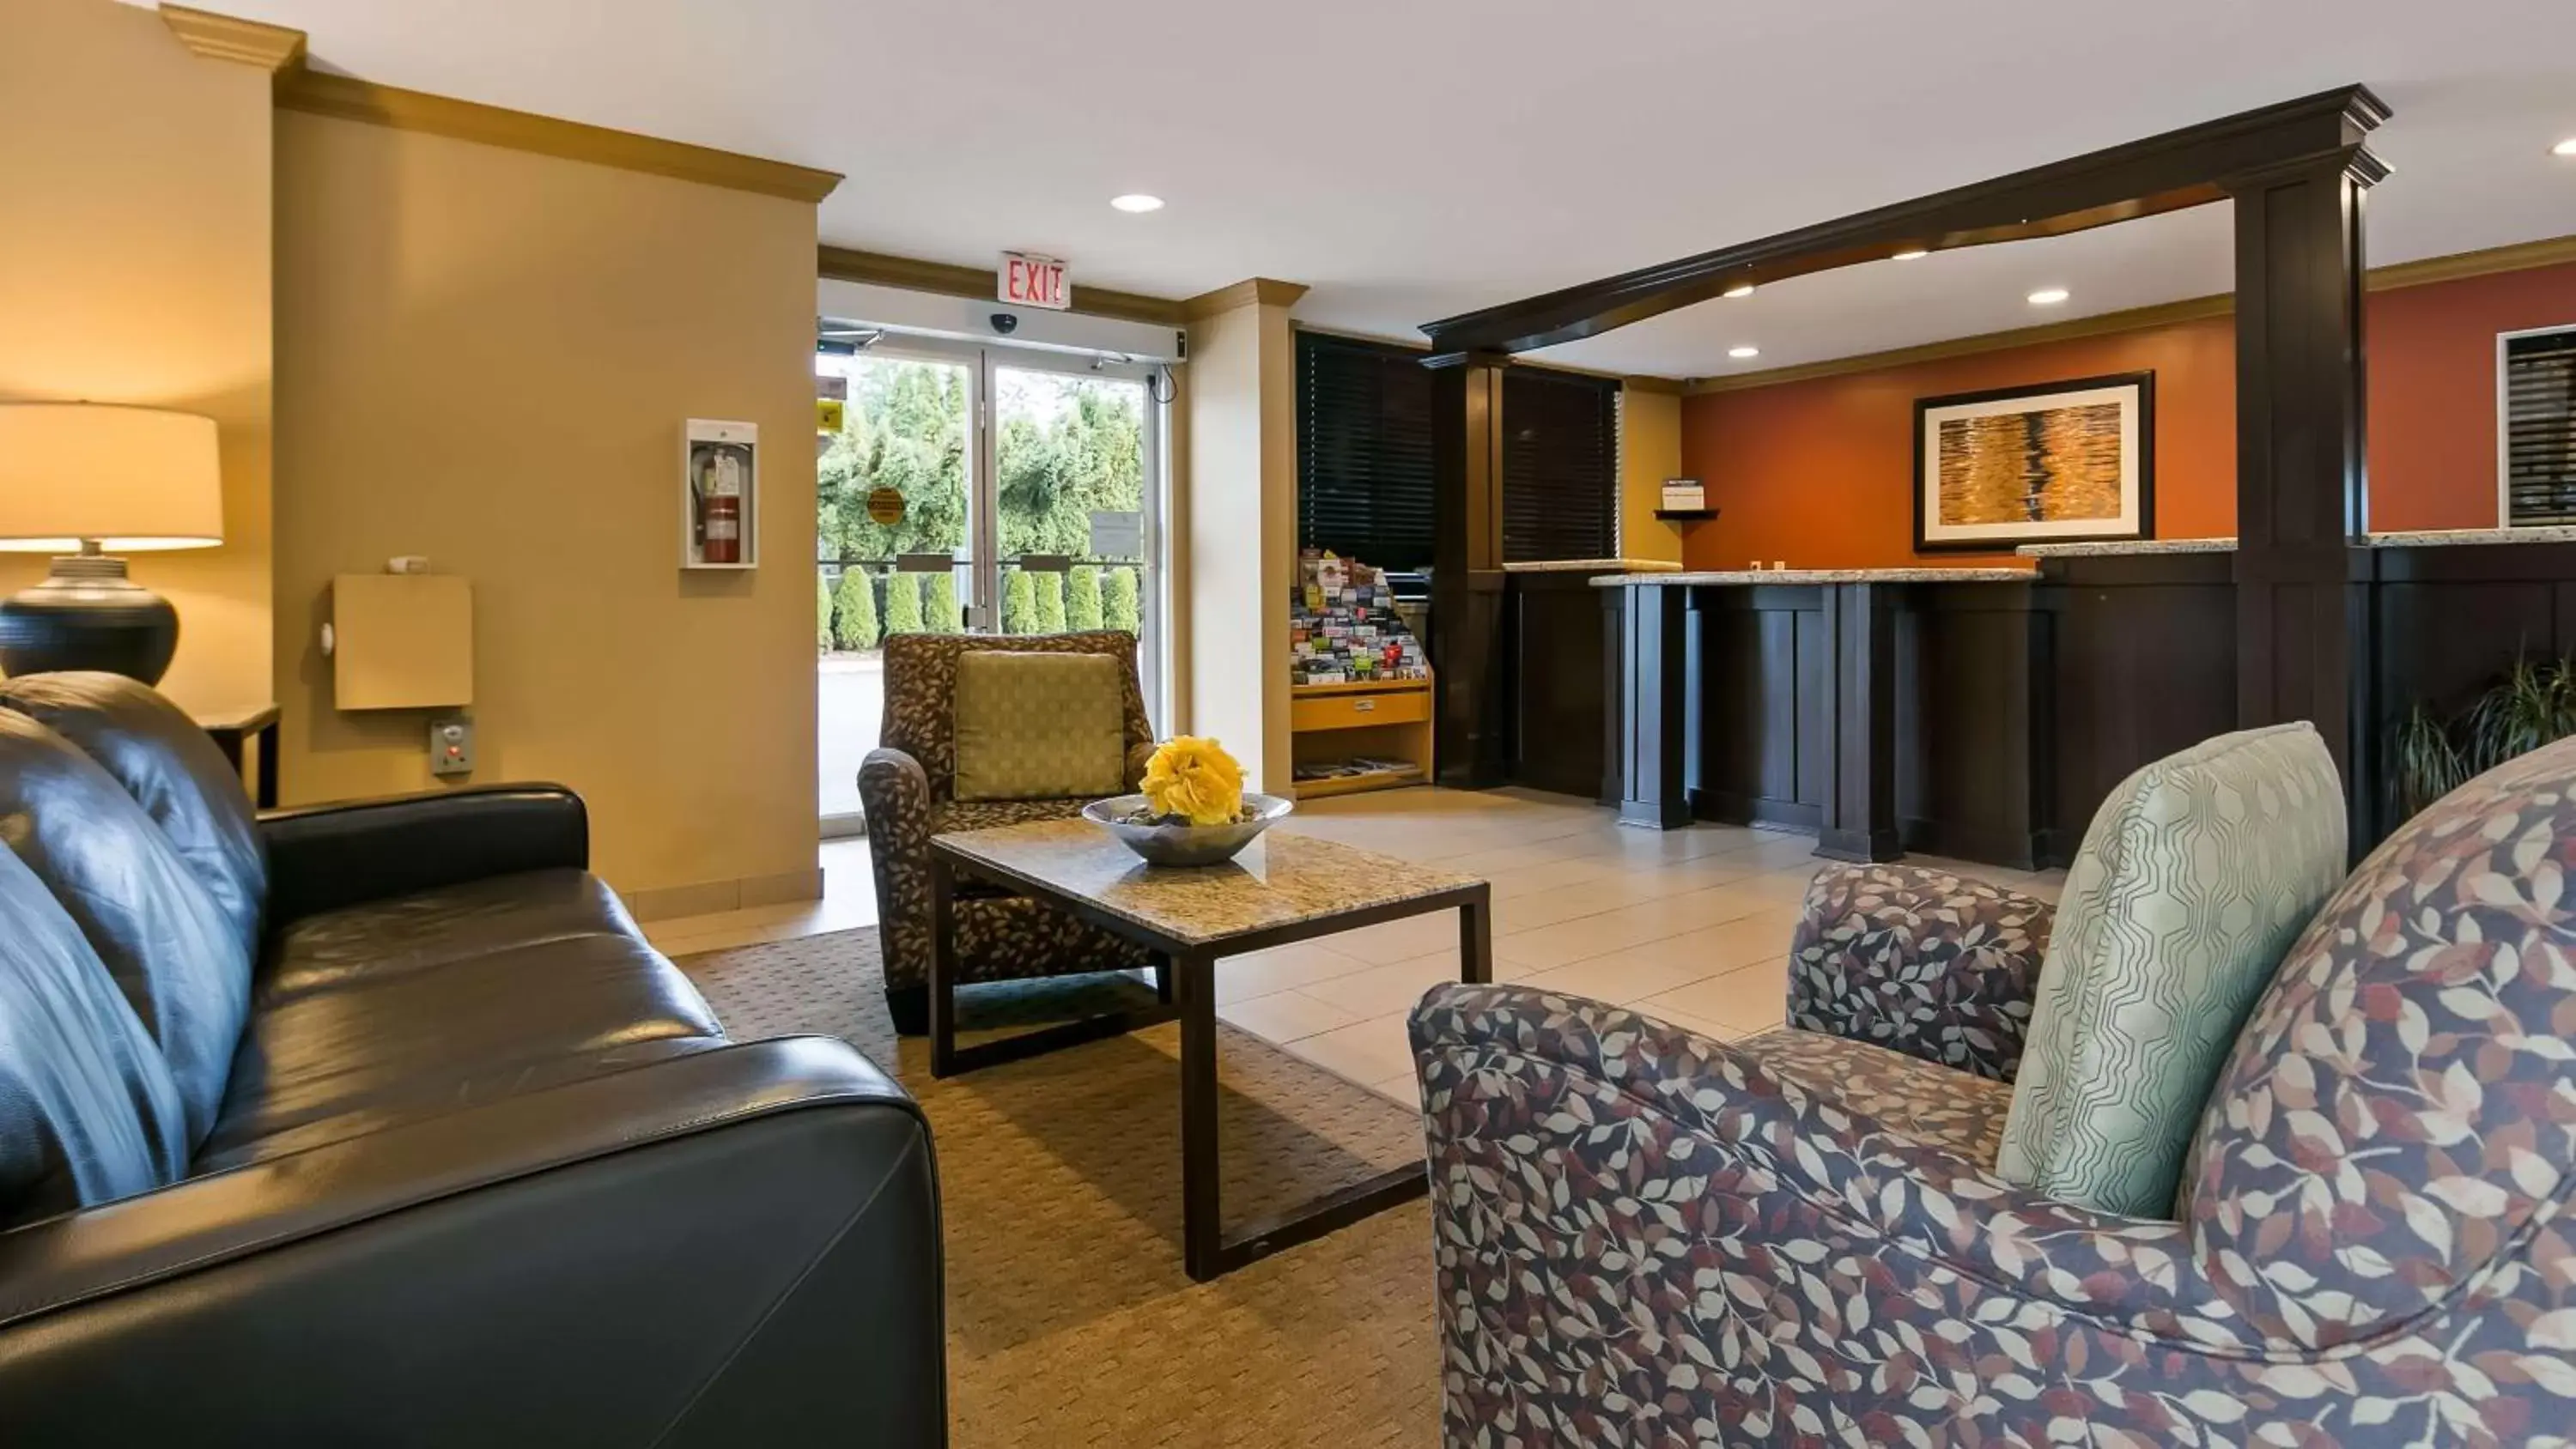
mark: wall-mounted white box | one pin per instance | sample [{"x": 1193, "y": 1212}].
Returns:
[{"x": 402, "y": 641}]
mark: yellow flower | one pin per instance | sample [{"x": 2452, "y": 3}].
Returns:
[{"x": 1195, "y": 779}]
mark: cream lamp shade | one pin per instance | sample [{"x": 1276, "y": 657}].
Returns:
[{"x": 124, "y": 478}]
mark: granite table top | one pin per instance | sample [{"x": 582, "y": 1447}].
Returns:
[
  {"x": 2126, "y": 546},
  {"x": 1280, "y": 879},
  {"x": 1828, "y": 576}
]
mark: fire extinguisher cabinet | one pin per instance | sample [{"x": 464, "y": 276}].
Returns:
[{"x": 719, "y": 495}]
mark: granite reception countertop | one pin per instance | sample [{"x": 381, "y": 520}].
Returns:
[
  {"x": 1828, "y": 576},
  {"x": 1594, "y": 566},
  {"x": 2444, "y": 537},
  {"x": 2122, "y": 546}
]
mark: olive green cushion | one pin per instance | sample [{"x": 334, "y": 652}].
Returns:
[
  {"x": 1035, "y": 726},
  {"x": 2197, "y": 874}
]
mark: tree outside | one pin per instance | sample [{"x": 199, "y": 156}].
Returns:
[
  {"x": 1082, "y": 598},
  {"x": 903, "y": 604}
]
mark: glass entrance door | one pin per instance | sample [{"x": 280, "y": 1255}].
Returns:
[{"x": 976, "y": 489}]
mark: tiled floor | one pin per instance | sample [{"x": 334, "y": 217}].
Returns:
[{"x": 1689, "y": 925}]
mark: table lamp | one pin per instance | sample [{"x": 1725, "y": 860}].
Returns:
[{"x": 78, "y": 479}]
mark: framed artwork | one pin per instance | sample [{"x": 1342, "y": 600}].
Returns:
[
  {"x": 2063, "y": 462},
  {"x": 719, "y": 495}
]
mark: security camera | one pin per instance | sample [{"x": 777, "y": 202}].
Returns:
[{"x": 1006, "y": 323}]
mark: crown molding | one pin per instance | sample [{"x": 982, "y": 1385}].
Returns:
[
  {"x": 2520, "y": 257},
  {"x": 273, "y": 48},
  {"x": 946, "y": 279},
  {"x": 350, "y": 99},
  {"x": 1251, "y": 291},
  {"x": 1668, "y": 386}
]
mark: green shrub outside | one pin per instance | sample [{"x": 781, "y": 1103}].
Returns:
[
  {"x": 1118, "y": 602},
  {"x": 854, "y": 625},
  {"x": 903, "y": 604},
  {"x": 1019, "y": 605},
  {"x": 939, "y": 605},
  {"x": 1050, "y": 591}
]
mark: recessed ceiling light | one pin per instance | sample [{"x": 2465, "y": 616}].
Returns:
[
  {"x": 2048, "y": 296},
  {"x": 2564, "y": 148},
  {"x": 1740, "y": 289},
  {"x": 1912, "y": 254},
  {"x": 1744, "y": 352},
  {"x": 1137, "y": 201}
]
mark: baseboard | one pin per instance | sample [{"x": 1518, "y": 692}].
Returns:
[
  {"x": 706, "y": 898},
  {"x": 2011, "y": 849}
]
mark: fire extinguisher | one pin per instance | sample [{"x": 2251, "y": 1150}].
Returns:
[{"x": 720, "y": 508}]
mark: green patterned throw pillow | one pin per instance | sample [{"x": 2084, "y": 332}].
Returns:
[
  {"x": 2197, "y": 874},
  {"x": 1039, "y": 726}
]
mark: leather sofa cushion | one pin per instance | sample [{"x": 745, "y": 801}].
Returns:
[
  {"x": 431, "y": 928},
  {"x": 172, "y": 770},
  {"x": 390, "y": 1040},
  {"x": 87, "y": 1109},
  {"x": 155, "y": 929}
]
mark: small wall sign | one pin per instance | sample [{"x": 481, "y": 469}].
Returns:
[
  {"x": 885, "y": 507},
  {"x": 1028, "y": 280}
]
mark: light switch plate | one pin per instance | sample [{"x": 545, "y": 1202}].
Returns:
[{"x": 451, "y": 745}]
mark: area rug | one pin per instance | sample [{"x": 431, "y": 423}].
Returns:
[{"x": 1070, "y": 1321}]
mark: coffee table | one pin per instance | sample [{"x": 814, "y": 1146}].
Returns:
[{"x": 1282, "y": 888}]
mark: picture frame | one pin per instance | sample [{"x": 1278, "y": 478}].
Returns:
[
  {"x": 719, "y": 494},
  {"x": 2056, "y": 462}
]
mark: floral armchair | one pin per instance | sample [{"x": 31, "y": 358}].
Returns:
[
  {"x": 1648, "y": 1238},
  {"x": 905, "y": 789}
]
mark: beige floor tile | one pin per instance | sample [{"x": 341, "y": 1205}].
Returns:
[
  {"x": 1399, "y": 940},
  {"x": 1779, "y": 887},
  {"x": 1532, "y": 880},
  {"x": 1751, "y": 998},
  {"x": 1372, "y": 1051},
  {"x": 1259, "y": 973},
  {"x": 1379, "y": 990},
  {"x": 1698, "y": 1025},
  {"x": 1286, "y": 1016},
  {"x": 1403, "y": 1091},
  {"x": 1715, "y": 950},
  {"x": 1618, "y": 978}
]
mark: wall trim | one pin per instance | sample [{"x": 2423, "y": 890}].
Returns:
[
  {"x": 706, "y": 898},
  {"x": 350, "y": 99},
  {"x": 2519, "y": 257},
  {"x": 1669, "y": 386},
  {"x": 272, "y": 48},
  {"x": 1265, "y": 291},
  {"x": 848, "y": 264},
  {"x": 2490, "y": 261}
]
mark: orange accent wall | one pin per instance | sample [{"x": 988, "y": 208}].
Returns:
[
  {"x": 2432, "y": 354},
  {"x": 1820, "y": 473}
]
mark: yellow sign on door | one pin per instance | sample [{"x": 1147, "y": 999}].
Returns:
[{"x": 828, "y": 414}]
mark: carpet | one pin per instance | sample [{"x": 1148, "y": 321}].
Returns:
[{"x": 1070, "y": 1321}]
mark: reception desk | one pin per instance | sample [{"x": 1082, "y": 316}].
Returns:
[{"x": 1986, "y": 713}]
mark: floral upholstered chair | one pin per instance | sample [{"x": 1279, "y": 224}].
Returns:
[
  {"x": 1648, "y": 1238},
  {"x": 906, "y": 788}
]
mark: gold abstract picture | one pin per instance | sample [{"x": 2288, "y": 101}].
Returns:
[{"x": 2064, "y": 462}]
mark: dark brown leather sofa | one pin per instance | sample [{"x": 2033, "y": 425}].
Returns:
[{"x": 380, "y": 1124}]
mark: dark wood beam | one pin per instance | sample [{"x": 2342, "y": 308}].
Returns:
[{"x": 2188, "y": 167}]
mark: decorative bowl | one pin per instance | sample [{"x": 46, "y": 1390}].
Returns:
[{"x": 1174, "y": 843}]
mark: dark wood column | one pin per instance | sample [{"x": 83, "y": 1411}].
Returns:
[
  {"x": 1859, "y": 808},
  {"x": 1654, "y": 675},
  {"x": 2302, "y": 624},
  {"x": 1471, "y": 735}
]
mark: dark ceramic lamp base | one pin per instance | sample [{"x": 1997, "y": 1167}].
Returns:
[{"x": 88, "y": 615}]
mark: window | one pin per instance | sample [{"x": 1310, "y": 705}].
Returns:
[
  {"x": 2536, "y": 426},
  {"x": 1560, "y": 466},
  {"x": 1364, "y": 452}
]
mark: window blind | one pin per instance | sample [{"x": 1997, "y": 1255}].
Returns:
[
  {"x": 1364, "y": 452},
  {"x": 2539, "y": 385},
  {"x": 1560, "y": 466}
]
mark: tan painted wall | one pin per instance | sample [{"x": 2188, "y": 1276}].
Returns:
[
  {"x": 485, "y": 356},
  {"x": 1650, "y": 451},
  {"x": 134, "y": 267},
  {"x": 1241, "y": 534}
]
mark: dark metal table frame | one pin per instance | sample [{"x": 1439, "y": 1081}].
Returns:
[{"x": 1185, "y": 976}]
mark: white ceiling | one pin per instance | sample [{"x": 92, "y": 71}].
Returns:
[{"x": 1412, "y": 159}]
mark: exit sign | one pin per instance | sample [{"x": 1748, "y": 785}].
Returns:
[{"x": 1034, "y": 281}]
